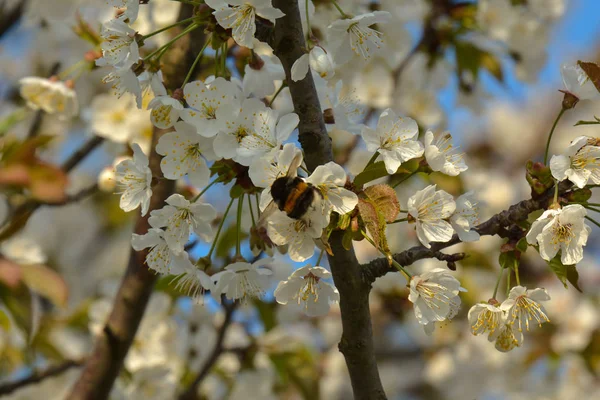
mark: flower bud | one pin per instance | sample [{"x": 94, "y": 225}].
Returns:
[{"x": 106, "y": 180}]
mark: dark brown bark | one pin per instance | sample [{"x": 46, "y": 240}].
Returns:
[
  {"x": 288, "y": 45},
  {"x": 357, "y": 339},
  {"x": 111, "y": 347}
]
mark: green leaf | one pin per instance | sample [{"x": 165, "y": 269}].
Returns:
[
  {"x": 347, "y": 239},
  {"x": 374, "y": 171},
  {"x": 468, "y": 58},
  {"x": 564, "y": 273},
  {"x": 236, "y": 191},
  {"x": 522, "y": 245},
  {"x": 508, "y": 260}
]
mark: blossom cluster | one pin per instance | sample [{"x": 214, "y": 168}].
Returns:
[{"x": 248, "y": 122}]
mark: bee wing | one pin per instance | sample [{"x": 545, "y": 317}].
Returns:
[
  {"x": 294, "y": 165},
  {"x": 269, "y": 210}
]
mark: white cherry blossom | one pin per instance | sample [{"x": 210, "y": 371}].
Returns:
[
  {"x": 161, "y": 257},
  {"x": 354, "y": 36},
  {"x": 186, "y": 152},
  {"x": 131, "y": 8},
  {"x": 260, "y": 75},
  {"x": 465, "y": 217},
  {"x": 205, "y": 99},
  {"x": 434, "y": 295},
  {"x": 395, "y": 139},
  {"x": 237, "y": 122},
  {"x": 151, "y": 82},
  {"x": 165, "y": 111},
  {"x": 579, "y": 164},
  {"x": 442, "y": 156},
  {"x": 180, "y": 217},
  {"x": 430, "y": 209},
  {"x": 578, "y": 83},
  {"x": 487, "y": 318},
  {"x": 242, "y": 280},
  {"x": 119, "y": 44},
  {"x": 135, "y": 180},
  {"x": 269, "y": 131},
  {"x": 190, "y": 279},
  {"x": 523, "y": 306},
  {"x": 51, "y": 96},
  {"x": 123, "y": 80},
  {"x": 343, "y": 110},
  {"x": 329, "y": 180},
  {"x": 298, "y": 234},
  {"x": 306, "y": 286},
  {"x": 563, "y": 230},
  {"x": 239, "y": 16},
  {"x": 506, "y": 339},
  {"x": 264, "y": 171},
  {"x": 319, "y": 61}
]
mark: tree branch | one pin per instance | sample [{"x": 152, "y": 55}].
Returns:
[
  {"x": 112, "y": 345},
  {"x": 191, "y": 392},
  {"x": 288, "y": 45},
  {"x": 357, "y": 339},
  {"x": 39, "y": 376},
  {"x": 499, "y": 225}
]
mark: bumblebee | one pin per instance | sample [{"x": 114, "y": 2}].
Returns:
[{"x": 292, "y": 194}]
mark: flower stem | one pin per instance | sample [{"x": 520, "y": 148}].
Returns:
[
  {"x": 394, "y": 262},
  {"x": 257, "y": 204},
  {"x": 214, "y": 244},
  {"x": 308, "y": 30},
  {"x": 508, "y": 284},
  {"x": 403, "y": 179},
  {"x": 517, "y": 274},
  {"x": 283, "y": 86},
  {"x": 498, "y": 282},
  {"x": 592, "y": 221},
  {"x": 339, "y": 8},
  {"x": 560, "y": 114},
  {"x": 187, "y": 30},
  {"x": 79, "y": 64},
  {"x": 204, "y": 190},
  {"x": 196, "y": 61},
  {"x": 238, "y": 242},
  {"x": 320, "y": 256},
  {"x": 183, "y": 21},
  {"x": 398, "y": 220},
  {"x": 251, "y": 211},
  {"x": 401, "y": 269}
]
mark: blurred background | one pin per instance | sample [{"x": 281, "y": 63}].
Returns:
[{"x": 490, "y": 74}]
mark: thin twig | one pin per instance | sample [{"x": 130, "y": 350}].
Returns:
[
  {"x": 191, "y": 393},
  {"x": 36, "y": 377}
]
